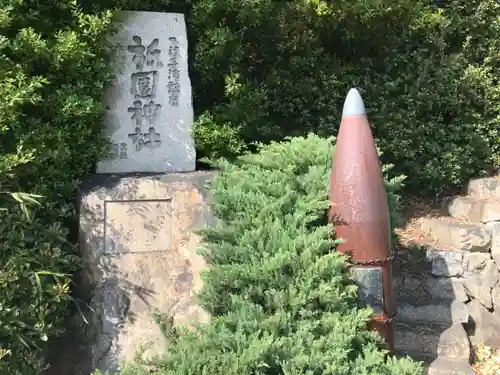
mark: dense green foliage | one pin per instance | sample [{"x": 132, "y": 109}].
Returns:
[
  {"x": 266, "y": 69},
  {"x": 52, "y": 73},
  {"x": 261, "y": 70},
  {"x": 277, "y": 290}
]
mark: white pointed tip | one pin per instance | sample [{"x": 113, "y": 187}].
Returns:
[{"x": 353, "y": 104}]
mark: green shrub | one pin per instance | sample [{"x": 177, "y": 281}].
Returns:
[
  {"x": 278, "y": 292},
  {"x": 429, "y": 75},
  {"x": 214, "y": 140},
  {"x": 52, "y": 71}
]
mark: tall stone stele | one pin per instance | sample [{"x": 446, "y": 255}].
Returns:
[
  {"x": 149, "y": 105},
  {"x": 138, "y": 236}
]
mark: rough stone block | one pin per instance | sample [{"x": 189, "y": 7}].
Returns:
[
  {"x": 430, "y": 341},
  {"x": 487, "y": 188},
  {"x": 483, "y": 325},
  {"x": 475, "y": 210},
  {"x": 444, "y": 366},
  {"x": 476, "y": 262},
  {"x": 444, "y": 288},
  {"x": 425, "y": 289},
  {"x": 454, "y": 343},
  {"x": 428, "y": 299},
  {"x": 495, "y": 243},
  {"x": 495, "y": 297},
  {"x": 479, "y": 285},
  {"x": 453, "y": 313},
  {"x": 457, "y": 235},
  {"x": 445, "y": 263},
  {"x": 140, "y": 257},
  {"x": 149, "y": 106}
]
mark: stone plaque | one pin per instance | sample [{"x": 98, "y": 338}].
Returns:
[
  {"x": 370, "y": 288},
  {"x": 137, "y": 226},
  {"x": 149, "y": 106}
]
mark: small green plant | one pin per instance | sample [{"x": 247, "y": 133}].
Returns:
[
  {"x": 166, "y": 324},
  {"x": 214, "y": 140}
]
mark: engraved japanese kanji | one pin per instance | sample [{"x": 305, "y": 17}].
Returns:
[
  {"x": 151, "y": 139},
  {"x": 141, "y": 113},
  {"x": 142, "y": 55}
]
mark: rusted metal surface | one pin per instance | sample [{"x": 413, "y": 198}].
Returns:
[{"x": 359, "y": 209}]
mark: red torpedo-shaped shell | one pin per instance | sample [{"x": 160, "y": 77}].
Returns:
[{"x": 360, "y": 213}]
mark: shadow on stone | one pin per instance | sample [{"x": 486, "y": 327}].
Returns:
[{"x": 430, "y": 301}]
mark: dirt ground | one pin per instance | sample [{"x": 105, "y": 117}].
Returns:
[{"x": 413, "y": 211}]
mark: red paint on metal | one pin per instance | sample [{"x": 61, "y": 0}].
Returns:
[{"x": 359, "y": 209}]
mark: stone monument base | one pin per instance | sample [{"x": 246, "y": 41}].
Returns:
[{"x": 140, "y": 265}]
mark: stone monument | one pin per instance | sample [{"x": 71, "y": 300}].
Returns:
[
  {"x": 139, "y": 247},
  {"x": 137, "y": 229},
  {"x": 149, "y": 106}
]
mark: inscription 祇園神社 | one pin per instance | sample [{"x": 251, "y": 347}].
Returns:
[{"x": 143, "y": 85}]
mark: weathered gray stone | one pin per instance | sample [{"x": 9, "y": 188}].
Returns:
[
  {"x": 149, "y": 107},
  {"x": 454, "y": 343},
  {"x": 446, "y": 263},
  {"x": 397, "y": 283},
  {"x": 444, "y": 288},
  {"x": 474, "y": 209},
  {"x": 484, "y": 324},
  {"x": 426, "y": 289},
  {"x": 444, "y": 366},
  {"x": 476, "y": 262},
  {"x": 452, "y": 313},
  {"x": 430, "y": 341},
  {"x": 495, "y": 243},
  {"x": 457, "y": 235},
  {"x": 475, "y": 289},
  {"x": 479, "y": 285},
  {"x": 491, "y": 275},
  {"x": 413, "y": 261},
  {"x": 495, "y": 297},
  {"x": 487, "y": 188},
  {"x": 140, "y": 256}
]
